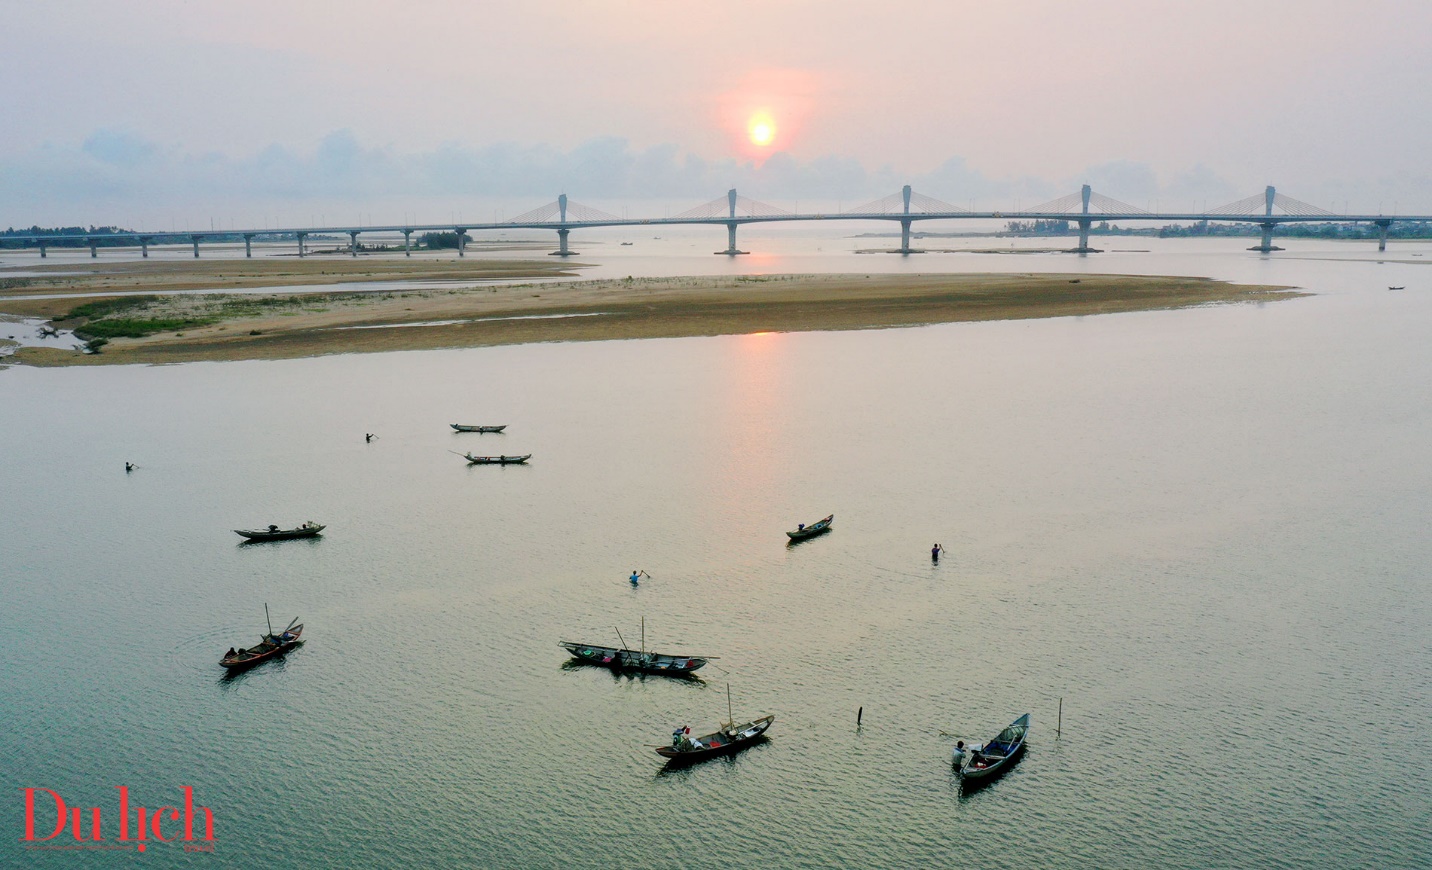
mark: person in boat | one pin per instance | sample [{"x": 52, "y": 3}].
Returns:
[
  {"x": 677, "y": 736},
  {"x": 230, "y": 654},
  {"x": 972, "y": 751},
  {"x": 272, "y": 527},
  {"x": 800, "y": 527}
]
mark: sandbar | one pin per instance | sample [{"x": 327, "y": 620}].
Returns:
[{"x": 287, "y": 325}]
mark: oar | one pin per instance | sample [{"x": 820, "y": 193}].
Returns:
[{"x": 290, "y": 625}]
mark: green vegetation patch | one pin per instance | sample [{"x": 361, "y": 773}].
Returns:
[
  {"x": 104, "y": 307},
  {"x": 256, "y": 306},
  {"x": 133, "y": 327}
]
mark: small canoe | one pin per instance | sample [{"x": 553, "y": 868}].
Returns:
[
  {"x": 270, "y": 646},
  {"x": 461, "y": 428},
  {"x": 496, "y": 460},
  {"x": 633, "y": 660},
  {"x": 810, "y": 531},
  {"x": 274, "y": 533},
  {"x": 998, "y": 754},
  {"x": 731, "y": 738}
]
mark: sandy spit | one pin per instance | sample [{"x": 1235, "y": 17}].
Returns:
[{"x": 592, "y": 310}]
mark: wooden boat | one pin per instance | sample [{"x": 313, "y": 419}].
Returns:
[
  {"x": 274, "y": 533},
  {"x": 998, "y": 754},
  {"x": 810, "y": 531},
  {"x": 496, "y": 460},
  {"x": 730, "y": 738},
  {"x": 1396, "y": 288},
  {"x": 270, "y": 646},
  {"x": 634, "y": 660},
  {"x": 461, "y": 428},
  {"x": 624, "y": 659}
]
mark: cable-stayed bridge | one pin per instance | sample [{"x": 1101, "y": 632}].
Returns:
[{"x": 1083, "y": 208}]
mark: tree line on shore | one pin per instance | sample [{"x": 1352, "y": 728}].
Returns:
[{"x": 1314, "y": 230}]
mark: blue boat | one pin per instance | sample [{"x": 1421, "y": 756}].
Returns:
[{"x": 998, "y": 754}]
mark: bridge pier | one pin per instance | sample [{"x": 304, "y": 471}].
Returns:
[
  {"x": 248, "y": 244},
  {"x": 1382, "y": 234},
  {"x": 407, "y": 243},
  {"x": 562, "y": 249},
  {"x": 144, "y": 247},
  {"x": 462, "y": 241},
  {"x": 731, "y": 249},
  {"x": 94, "y": 249},
  {"x": 195, "y": 240},
  {"x": 905, "y": 237},
  {"x": 1266, "y": 246},
  {"x": 352, "y": 243},
  {"x": 301, "y": 237},
  {"x": 43, "y": 252}
]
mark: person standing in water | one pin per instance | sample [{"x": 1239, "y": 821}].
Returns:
[
  {"x": 935, "y": 552},
  {"x": 635, "y": 576}
]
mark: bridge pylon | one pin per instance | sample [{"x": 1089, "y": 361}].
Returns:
[
  {"x": 1085, "y": 222},
  {"x": 1267, "y": 246},
  {"x": 562, "y": 231},
  {"x": 731, "y": 249},
  {"x": 905, "y": 222}
]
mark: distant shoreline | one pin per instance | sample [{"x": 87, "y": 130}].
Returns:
[{"x": 234, "y": 326}]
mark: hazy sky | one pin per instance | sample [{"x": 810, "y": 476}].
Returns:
[{"x": 157, "y": 113}]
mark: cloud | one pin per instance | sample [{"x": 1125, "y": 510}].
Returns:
[
  {"x": 118, "y": 175},
  {"x": 119, "y": 148}
]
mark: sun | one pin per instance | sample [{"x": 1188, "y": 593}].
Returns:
[{"x": 762, "y": 129}]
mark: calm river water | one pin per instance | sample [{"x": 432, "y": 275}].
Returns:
[{"x": 1206, "y": 531}]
